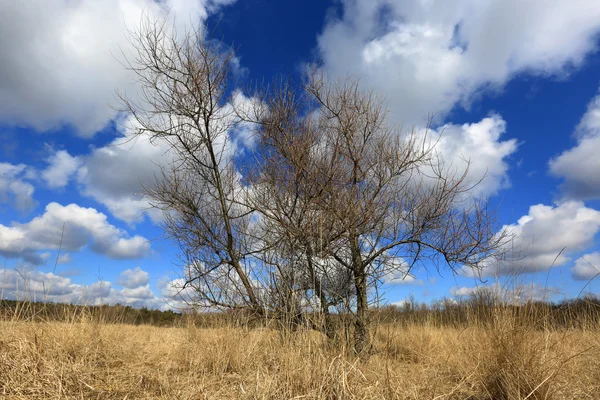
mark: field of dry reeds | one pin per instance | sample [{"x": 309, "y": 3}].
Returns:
[{"x": 499, "y": 352}]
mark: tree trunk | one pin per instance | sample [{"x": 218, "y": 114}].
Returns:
[
  {"x": 325, "y": 324},
  {"x": 362, "y": 339}
]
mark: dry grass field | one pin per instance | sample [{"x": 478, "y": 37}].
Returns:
[{"x": 505, "y": 359}]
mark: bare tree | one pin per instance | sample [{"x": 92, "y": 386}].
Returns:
[
  {"x": 185, "y": 103},
  {"x": 337, "y": 200},
  {"x": 288, "y": 185},
  {"x": 344, "y": 186}
]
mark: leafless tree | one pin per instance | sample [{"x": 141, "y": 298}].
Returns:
[
  {"x": 337, "y": 199},
  {"x": 185, "y": 102},
  {"x": 341, "y": 185},
  {"x": 288, "y": 185}
]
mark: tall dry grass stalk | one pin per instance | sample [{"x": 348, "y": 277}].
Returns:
[{"x": 507, "y": 357}]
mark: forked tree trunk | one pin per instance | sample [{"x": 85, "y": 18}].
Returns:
[{"x": 326, "y": 325}]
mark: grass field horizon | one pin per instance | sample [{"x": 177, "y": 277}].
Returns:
[{"x": 477, "y": 348}]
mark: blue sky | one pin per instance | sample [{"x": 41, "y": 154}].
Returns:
[{"x": 513, "y": 86}]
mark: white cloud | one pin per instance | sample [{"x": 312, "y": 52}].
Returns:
[
  {"x": 541, "y": 235},
  {"x": 64, "y": 259},
  {"x": 33, "y": 284},
  {"x": 402, "y": 303},
  {"x": 46, "y": 286},
  {"x": 141, "y": 292},
  {"x": 133, "y": 278},
  {"x": 587, "y": 267},
  {"x": 176, "y": 289},
  {"x": 82, "y": 227},
  {"x": 398, "y": 272},
  {"x": 510, "y": 294},
  {"x": 115, "y": 175},
  {"x": 478, "y": 144},
  {"x": 61, "y": 167},
  {"x": 464, "y": 291},
  {"x": 427, "y": 56},
  {"x": 579, "y": 165},
  {"x": 97, "y": 291},
  {"x": 400, "y": 278},
  {"x": 61, "y": 59},
  {"x": 14, "y": 190},
  {"x": 176, "y": 294}
]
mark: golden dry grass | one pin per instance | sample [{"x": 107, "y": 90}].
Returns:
[{"x": 87, "y": 360}]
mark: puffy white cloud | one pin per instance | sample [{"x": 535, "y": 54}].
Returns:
[
  {"x": 82, "y": 227},
  {"x": 140, "y": 292},
  {"x": 401, "y": 303},
  {"x": 427, "y": 56},
  {"x": 45, "y": 286},
  {"x": 398, "y": 272},
  {"x": 579, "y": 165},
  {"x": 35, "y": 285},
  {"x": 587, "y": 267},
  {"x": 61, "y": 59},
  {"x": 541, "y": 235},
  {"x": 14, "y": 189},
  {"x": 478, "y": 147},
  {"x": 116, "y": 174},
  {"x": 176, "y": 294},
  {"x": 464, "y": 291},
  {"x": 400, "y": 278},
  {"x": 97, "y": 291},
  {"x": 133, "y": 278},
  {"x": 61, "y": 167},
  {"x": 176, "y": 289}
]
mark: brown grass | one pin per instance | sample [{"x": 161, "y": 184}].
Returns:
[{"x": 505, "y": 359}]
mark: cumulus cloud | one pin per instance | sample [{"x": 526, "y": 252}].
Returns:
[
  {"x": 401, "y": 303},
  {"x": 133, "y": 278},
  {"x": 587, "y": 267},
  {"x": 478, "y": 147},
  {"x": 176, "y": 294},
  {"x": 579, "y": 166},
  {"x": 34, "y": 285},
  {"x": 14, "y": 188},
  {"x": 427, "y": 56},
  {"x": 540, "y": 237},
  {"x": 398, "y": 272},
  {"x": 140, "y": 292},
  {"x": 45, "y": 286},
  {"x": 82, "y": 227},
  {"x": 97, "y": 290},
  {"x": 61, "y": 58},
  {"x": 61, "y": 167},
  {"x": 115, "y": 175},
  {"x": 400, "y": 278}
]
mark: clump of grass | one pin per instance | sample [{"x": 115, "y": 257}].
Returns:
[{"x": 519, "y": 362}]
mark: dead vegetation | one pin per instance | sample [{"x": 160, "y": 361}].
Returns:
[{"x": 505, "y": 358}]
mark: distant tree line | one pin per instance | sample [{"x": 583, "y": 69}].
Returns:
[
  {"x": 477, "y": 310},
  {"x": 484, "y": 309},
  {"x": 40, "y": 311}
]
